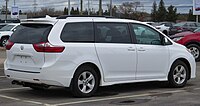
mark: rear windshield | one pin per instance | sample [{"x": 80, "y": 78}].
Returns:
[{"x": 31, "y": 33}]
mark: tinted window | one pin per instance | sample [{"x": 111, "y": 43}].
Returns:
[
  {"x": 78, "y": 32},
  {"x": 112, "y": 33},
  {"x": 31, "y": 33},
  {"x": 146, "y": 35}
]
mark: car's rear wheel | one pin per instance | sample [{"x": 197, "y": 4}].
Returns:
[
  {"x": 178, "y": 74},
  {"x": 195, "y": 50},
  {"x": 85, "y": 82}
]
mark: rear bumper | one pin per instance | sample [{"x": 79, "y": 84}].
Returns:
[{"x": 46, "y": 76}]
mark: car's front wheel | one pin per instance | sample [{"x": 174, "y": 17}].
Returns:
[
  {"x": 178, "y": 74},
  {"x": 85, "y": 82},
  {"x": 195, "y": 50},
  {"x": 3, "y": 41}
]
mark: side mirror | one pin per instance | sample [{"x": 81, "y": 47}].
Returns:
[
  {"x": 14, "y": 30},
  {"x": 166, "y": 41}
]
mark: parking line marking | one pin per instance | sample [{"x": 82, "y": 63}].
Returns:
[
  {"x": 117, "y": 97},
  {"x": 196, "y": 88},
  {"x": 9, "y": 89},
  {"x": 33, "y": 102},
  {"x": 2, "y": 76},
  {"x": 8, "y": 97},
  {"x": 27, "y": 101}
]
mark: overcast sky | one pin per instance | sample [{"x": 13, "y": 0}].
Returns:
[{"x": 183, "y": 6}]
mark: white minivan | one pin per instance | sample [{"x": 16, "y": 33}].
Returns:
[{"x": 84, "y": 53}]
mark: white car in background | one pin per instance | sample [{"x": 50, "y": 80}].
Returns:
[
  {"x": 163, "y": 29},
  {"x": 162, "y": 26},
  {"x": 6, "y": 32}
]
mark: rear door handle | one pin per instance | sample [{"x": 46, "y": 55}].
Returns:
[{"x": 141, "y": 49}]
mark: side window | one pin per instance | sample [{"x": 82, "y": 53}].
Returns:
[
  {"x": 112, "y": 33},
  {"x": 78, "y": 32},
  {"x": 146, "y": 35}
]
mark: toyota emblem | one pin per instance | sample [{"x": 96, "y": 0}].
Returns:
[{"x": 21, "y": 47}]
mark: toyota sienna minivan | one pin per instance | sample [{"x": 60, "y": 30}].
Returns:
[{"x": 83, "y": 53}]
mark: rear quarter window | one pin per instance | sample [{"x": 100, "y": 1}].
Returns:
[{"x": 31, "y": 33}]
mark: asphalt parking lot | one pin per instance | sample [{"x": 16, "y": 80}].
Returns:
[{"x": 137, "y": 94}]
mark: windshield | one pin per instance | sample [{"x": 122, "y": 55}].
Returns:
[
  {"x": 197, "y": 30},
  {"x": 7, "y": 28}
]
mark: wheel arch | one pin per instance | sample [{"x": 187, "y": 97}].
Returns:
[
  {"x": 186, "y": 62},
  {"x": 5, "y": 36},
  {"x": 192, "y": 42},
  {"x": 97, "y": 69}
]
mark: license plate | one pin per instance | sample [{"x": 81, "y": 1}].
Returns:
[{"x": 24, "y": 60}]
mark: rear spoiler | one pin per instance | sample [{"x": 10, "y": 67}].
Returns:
[{"x": 47, "y": 20}]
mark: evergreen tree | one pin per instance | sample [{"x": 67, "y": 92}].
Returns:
[
  {"x": 191, "y": 17},
  {"x": 65, "y": 11},
  {"x": 154, "y": 12},
  {"x": 171, "y": 14},
  {"x": 72, "y": 12},
  {"x": 77, "y": 11},
  {"x": 114, "y": 11},
  {"x": 106, "y": 13},
  {"x": 161, "y": 16},
  {"x": 20, "y": 12}
]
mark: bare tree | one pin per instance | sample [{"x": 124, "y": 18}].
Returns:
[{"x": 128, "y": 8}]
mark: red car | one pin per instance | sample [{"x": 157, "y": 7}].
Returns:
[{"x": 191, "y": 40}]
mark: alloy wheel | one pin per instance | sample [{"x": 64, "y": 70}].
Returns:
[
  {"x": 194, "y": 51},
  {"x": 179, "y": 74},
  {"x": 86, "y": 82}
]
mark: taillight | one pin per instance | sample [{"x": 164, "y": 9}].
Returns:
[
  {"x": 47, "y": 47},
  {"x": 9, "y": 45}
]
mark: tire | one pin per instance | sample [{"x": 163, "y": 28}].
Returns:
[
  {"x": 195, "y": 49},
  {"x": 3, "y": 41},
  {"x": 179, "y": 70},
  {"x": 84, "y": 77}
]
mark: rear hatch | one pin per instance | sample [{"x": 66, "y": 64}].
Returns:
[{"x": 25, "y": 48}]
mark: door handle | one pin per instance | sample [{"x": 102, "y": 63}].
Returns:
[
  {"x": 141, "y": 49},
  {"x": 131, "y": 49}
]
